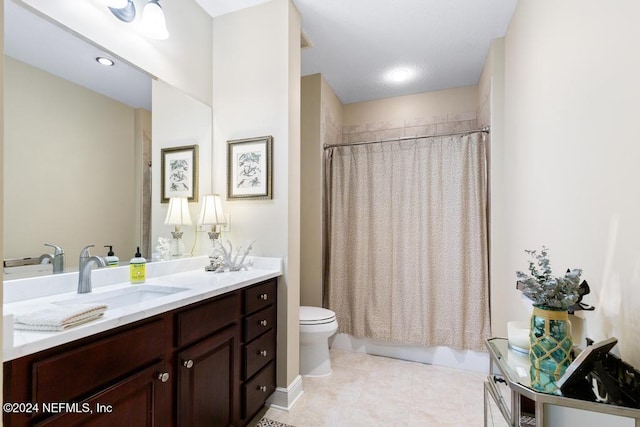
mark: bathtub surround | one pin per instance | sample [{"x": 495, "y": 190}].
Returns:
[{"x": 406, "y": 255}]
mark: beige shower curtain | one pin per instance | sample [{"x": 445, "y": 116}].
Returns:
[{"x": 406, "y": 241}]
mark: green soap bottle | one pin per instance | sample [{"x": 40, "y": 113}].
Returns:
[{"x": 138, "y": 267}]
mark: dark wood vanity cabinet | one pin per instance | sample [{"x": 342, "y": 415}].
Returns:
[
  {"x": 116, "y": 375},
  {"x": 211, "y": 363},
  {"x": 259, "y": 319},
  {"x": 208, "y": 368}
]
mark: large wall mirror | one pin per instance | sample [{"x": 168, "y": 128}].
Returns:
[{"x": 77, "y": 147}]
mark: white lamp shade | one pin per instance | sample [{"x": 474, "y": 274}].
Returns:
[
  {"x": 153, "y": 21},
  {"x": 178, "y": 213},
  {"x": 211, "y": 213}
]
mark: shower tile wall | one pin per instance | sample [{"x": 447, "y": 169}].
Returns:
[{"x": 444, "y": 123}]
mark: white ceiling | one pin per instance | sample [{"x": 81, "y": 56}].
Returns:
[
  {"x": 355, "y": 44},
  {"x": 40, "y": 43}
]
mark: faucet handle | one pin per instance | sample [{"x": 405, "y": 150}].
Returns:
[
  {"x": 58, "y": 249},
  {"x": 85, "y": 251}
]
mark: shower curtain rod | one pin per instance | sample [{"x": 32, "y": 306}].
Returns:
[{"x": 485, "y": 129}]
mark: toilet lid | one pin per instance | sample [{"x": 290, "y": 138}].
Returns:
[{"x": 315, "y": 315}]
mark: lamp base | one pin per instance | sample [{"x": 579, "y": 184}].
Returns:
[{"x": 177, "y": 247}]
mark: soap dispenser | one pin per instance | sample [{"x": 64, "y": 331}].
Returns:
[
  {"x": 111, "y": 258},
  {"x": 138, "y": 267}
]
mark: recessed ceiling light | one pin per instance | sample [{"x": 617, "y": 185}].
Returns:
[
  {"x": 400, "y": 75},
  {"x": 105, "y": 61}
]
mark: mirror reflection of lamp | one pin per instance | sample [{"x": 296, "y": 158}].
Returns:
[
  {"x": 178, "y": 215},
  {"x": 212, "y": 214}
]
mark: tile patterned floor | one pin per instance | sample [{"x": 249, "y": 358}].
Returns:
[{"x": 366, "y": 390}]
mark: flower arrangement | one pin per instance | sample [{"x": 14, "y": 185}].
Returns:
[{"x": 545, "y": 290}]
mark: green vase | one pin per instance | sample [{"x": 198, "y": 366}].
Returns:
[{"x": 550, "y": 338}]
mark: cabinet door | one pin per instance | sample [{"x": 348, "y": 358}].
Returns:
[
  {"x": 139, "y": 400},
  {"x": 208, "y": 381}
]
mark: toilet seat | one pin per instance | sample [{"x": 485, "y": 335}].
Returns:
[{"x": 316, "y": 316}]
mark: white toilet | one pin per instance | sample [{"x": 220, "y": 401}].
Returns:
[{"x": 316, "y": 326}]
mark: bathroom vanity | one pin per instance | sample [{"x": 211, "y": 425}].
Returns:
[{"x": 202, "y": 357}]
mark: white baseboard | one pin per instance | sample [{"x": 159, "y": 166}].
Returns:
[
  {"x": 442, "y": 356},
  {"x": 285, "y": 398}
]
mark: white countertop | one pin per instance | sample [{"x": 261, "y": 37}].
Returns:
[{"x": 190, "y": 274}]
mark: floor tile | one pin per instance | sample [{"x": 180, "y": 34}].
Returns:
[{"x": 366, "y": 390}]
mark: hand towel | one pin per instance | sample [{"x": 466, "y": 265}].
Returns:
[{"x": 53, "y": 318}]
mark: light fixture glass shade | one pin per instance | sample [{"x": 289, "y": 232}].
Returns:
[
  {"x": 211, "y": 213},
  {"x": 178, "y": 213},
  {"x": 126, "y": 12},
  {"x": 153, "y": 21}
]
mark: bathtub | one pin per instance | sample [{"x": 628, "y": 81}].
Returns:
[{"x": 468, "y": 360}]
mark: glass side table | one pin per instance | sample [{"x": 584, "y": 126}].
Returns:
[{"x": 521, "y": 405}]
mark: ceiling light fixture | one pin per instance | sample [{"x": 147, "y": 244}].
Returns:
[
  {"x": 399, "y": 75},
  {"x": 153, "y": 22},
  {"x": 123, "y": 10},
  {"x": 105, "y": 61}
]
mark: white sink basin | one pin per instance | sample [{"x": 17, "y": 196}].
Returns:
[{"x": 123, "y": 297}]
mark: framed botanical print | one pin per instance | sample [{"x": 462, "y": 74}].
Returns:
[
  {"x": 249, "y": 164},
  {"x": 179, "y": 175}
]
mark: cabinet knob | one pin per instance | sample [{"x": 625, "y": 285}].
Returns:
[
  {"x": 264, "y": 297},
  {"x": 188, "y": 364},
  {"x": 163, "y": 376},
  {"x": 263, "y": 388},
  {"x": 263, "y": 353},
  {"x": 263, "y": 322}
]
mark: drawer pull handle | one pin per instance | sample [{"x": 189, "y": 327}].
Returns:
[
  {"x": 263, "y": 353},
  {"x": 263, "y": 388},
  {"x": 163, "y": 376},
  {"x": 263, "y": 322},
  {"x": 188, "y": 364},
  {"x": 264, "y": 297}
]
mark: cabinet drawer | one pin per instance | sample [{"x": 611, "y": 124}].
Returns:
[
  {"x": 258, "y": 353},
  {"x": 258, "y": 323},
  {"x": 205, "y": 319},
  {"x": 260, "y": 296},
  {"x": 66, "y": 376},
  {"x": 256, "y": 391}
]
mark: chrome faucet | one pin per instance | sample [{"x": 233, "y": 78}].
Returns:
[
  {"x": 84, "y": 275},
  {"x": 57, "y": 259}
]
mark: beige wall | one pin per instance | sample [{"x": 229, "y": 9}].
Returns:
[
  {"x": 570, "y": 158},
  {"x": 311, "y": 194},
  {"x": 321, "y": 121},
  {"x": 433, "y": 106},
  {"x": 491, "y": 113},
  {"x": 444, "y": 111},
  {"x": 256, "y": 92},
  {"x": 69, "y": 167}
]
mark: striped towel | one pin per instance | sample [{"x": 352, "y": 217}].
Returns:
[{"x": 53, "y": 318}]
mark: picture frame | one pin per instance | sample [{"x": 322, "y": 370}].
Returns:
[
  {"x": 249, "y": 168},
  {"x": 179, "y": 173}
]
